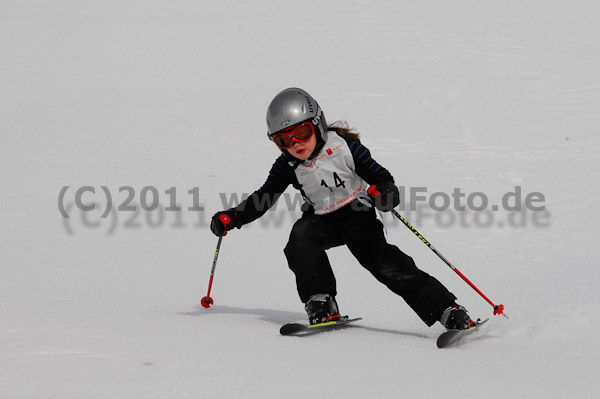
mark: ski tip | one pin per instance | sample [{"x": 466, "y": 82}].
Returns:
[
  {"x": 453, "y": 337},
  {"x": 291, "y": 328},
  {"x": 298, "y": 329}
]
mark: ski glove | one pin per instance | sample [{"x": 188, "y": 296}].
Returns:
[
  {"x": 387, "y": 197},
  {"x": 217, "y": 226}
]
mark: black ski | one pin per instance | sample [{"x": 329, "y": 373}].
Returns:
[
  {"x": 456, "y": 336},
  {"x": 304, "y": 329}
]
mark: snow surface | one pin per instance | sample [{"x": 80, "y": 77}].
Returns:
[{"x": 483, "y": 96}]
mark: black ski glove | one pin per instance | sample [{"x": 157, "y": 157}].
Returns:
[
  {"x": 216, "y": 225},
  {"x": 387, "y": 196}
]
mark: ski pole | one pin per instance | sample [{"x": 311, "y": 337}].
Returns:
[
  {"x": 498, "y": 309},
  {"x": 207, "y": 300}
]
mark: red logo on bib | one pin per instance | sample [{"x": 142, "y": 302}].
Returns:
[{"x": 328, "y": 151}]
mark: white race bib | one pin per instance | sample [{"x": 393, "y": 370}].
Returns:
[{"x": 328, "y": 180}]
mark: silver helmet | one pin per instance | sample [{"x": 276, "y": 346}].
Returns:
[{"x": 292, "y": 106}]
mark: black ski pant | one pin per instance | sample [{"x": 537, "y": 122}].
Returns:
[{"x": 363, "y": 234}]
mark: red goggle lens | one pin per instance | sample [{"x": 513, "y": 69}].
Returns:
[{"x": 302, "y": 133}]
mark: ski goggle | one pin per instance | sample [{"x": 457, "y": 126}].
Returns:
[{"x": 301, "y": 133}]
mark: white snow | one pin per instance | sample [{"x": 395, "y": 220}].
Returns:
[{"x": 483, "y": 96}]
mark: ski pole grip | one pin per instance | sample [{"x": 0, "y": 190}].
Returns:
[
  {"x": 372, "y": 191},
  {"x": 225, "y": 220}
]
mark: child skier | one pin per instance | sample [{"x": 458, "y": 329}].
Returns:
[{"x": 332, "y": 170}]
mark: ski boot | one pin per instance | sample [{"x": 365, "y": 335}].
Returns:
[
  {"x": 456, "y": 318},
  {"x": 321, "y": 308}
]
